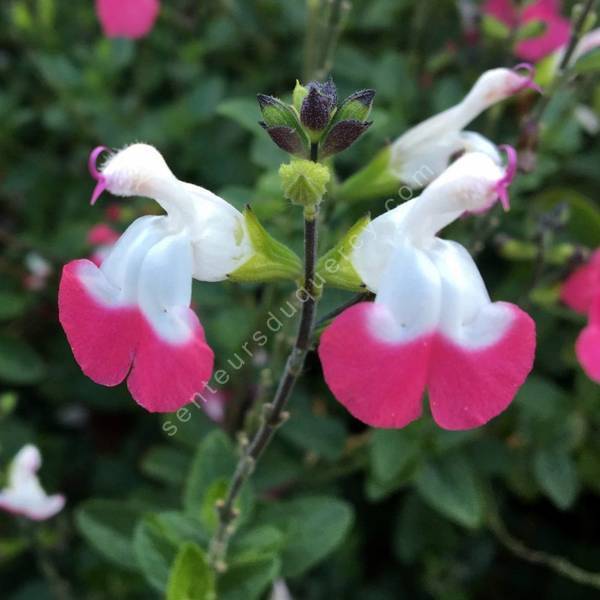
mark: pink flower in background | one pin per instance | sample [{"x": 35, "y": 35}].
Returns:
[
  {"x": 581, "y": 292},
  {"x": 103, "y": 238},
  {"x": 127, "y": 18},
  {"x": 533, "y": 49}
]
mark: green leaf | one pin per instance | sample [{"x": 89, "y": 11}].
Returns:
[
  {"x": 108, "y": 525},
  {"x": 166, "y": 464},
  {"x": 494, "y": 29},
  {"x": 449, "y": 485},
  {"x": 261, "y": 541},
  {"x": 248, "y": 580},
  {"x": 155, "y": 550},
  {"x": 12, "y": 305},
  {"x": 314, "y": 527},
  {"x": 244, "y": 111},
  {"x": 393, "y": 451},
  {"x": 589, "y": 62},
  {"x": 19, "y": 363},
  {"x": 215, "y": 459},
  {"x": 190, "y": 577},
  {"x": 556, "y": 474}
]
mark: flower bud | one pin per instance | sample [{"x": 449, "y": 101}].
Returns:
[
  {"x": 342, "y": 135},
  {"x": 356, "y": 107},
  {"x": 304, "y": 182},
  {"x": 318, "y": 107}
]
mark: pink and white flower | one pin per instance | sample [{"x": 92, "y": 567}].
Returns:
[
  {"x": 131, "y": 317},
  {"x": 127, "y": 18},
  {"x": 557, "y": 27},
  {"x": 23, "y": 494},
  {"x": 581, "y": 292},
  {"x": 424, "y": 151},
  {"x": 432, "y": 324}
]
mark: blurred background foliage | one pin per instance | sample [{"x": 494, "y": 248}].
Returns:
[{"x": 340, "y": 511}]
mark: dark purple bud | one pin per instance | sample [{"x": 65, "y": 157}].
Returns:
[
  {"x": 316, "y": 109},
  {"x": 287, "y": 138},
  {"x": 342, "y": 135},
  {"x": 329, "y": 90}
]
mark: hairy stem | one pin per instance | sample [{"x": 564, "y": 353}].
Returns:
[{"x": 273, "y": 413}]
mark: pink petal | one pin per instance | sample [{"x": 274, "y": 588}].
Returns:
[
  {"x": 557, "y": 32},
  {"x": 103, "y": 338},
  {"x": 467, "y": 388},
  {"x": 502, "y": 10},
  {"x": 102, "y": 234},
  {"x": 587, "y": 349},
  {"x": 380, "y": 383},
  {"x": 582, "y": 285},
  {"x": 127, "y": 18},
  {"x": 167, "y": 376}
]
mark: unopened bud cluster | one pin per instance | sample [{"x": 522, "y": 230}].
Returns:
[{"x": 314, "y": 126}]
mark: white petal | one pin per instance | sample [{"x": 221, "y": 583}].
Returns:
[
  {"x": 165, "y": 287},
  {"x": 472, "y": 141},
  {"x": 116, "y": 283},
  {"x": 219, "y": 237},
  {"x": 468, "y": 184},
  {"x": 421, "y": 154},
  {"x": 410, "y": 290},
  {"x": 468, "y": 317},
  {"x": 375, "y": 245},
  {"x": 24, "y": 495}
]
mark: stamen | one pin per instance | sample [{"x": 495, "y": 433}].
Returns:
[
  {"x": 529, "y": 82},
  {"x": 509, "y": 175},
  {"x": 97, "y": 175}
]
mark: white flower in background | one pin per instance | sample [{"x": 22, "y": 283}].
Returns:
[
  {"x": 23, "y": 494},
  {"x": 424, "y": 151}
]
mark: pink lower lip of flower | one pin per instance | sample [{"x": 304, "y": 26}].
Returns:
[
  {"x": 382, "y": 383},
  {"x": 131, "y": 19},
  {"x": 97, "y": 175}
]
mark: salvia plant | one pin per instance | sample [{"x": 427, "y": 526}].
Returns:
[{"x": 418, "y": 354}]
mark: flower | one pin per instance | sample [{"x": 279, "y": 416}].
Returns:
[
  {"x": 581, "y": 292},
  {"x": 424, "y": 151},
  {"x": 131, "y": 317},
  {"x": 24, "y": 495},
  {"x": 39, "y": 270},
  {"x": 432, "y": 323},
  {"x": 557, "y": 28},
  {"x": 103, "y": 238},
  {"x": 127, "y": 18}
]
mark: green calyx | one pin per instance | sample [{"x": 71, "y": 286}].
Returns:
[
  {"x": 374, "y": 180},
  {"x": 335, "y": 266},
  {"x": 304, "y": 182},
  {"x": 271, "y": 260}
]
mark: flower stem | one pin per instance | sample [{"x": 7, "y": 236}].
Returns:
[
  {"x": 559, "y": 564},
  {"x": 273, "y": 413},
  {"x": 531, "y": 126}
]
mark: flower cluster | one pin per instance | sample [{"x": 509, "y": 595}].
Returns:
[{"x": 432, "y": 325}]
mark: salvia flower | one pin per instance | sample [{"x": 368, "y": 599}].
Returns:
[
  {"x": 127, "y": 18},
  {"x": 581, "y": 292},
  {"x": 555, "y": 31},
  {"x": 432, "y": 324},
  {"x": 23, "y": 494},
  {"x": 131, "y": 317},
  {"x": 424, "y": 151}
]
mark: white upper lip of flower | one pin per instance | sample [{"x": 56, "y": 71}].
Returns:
[{"x": 24, "y": 494}]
